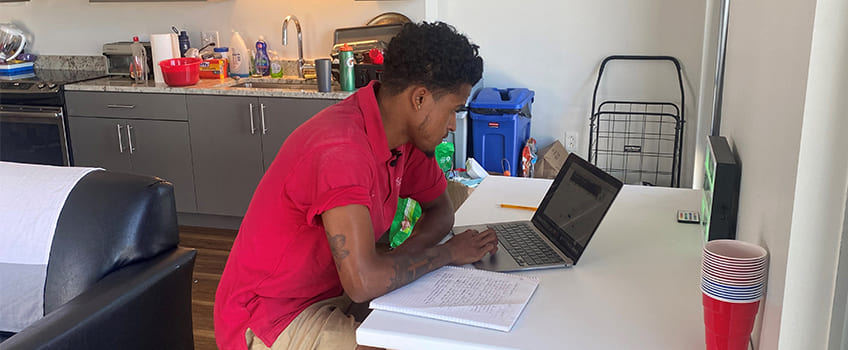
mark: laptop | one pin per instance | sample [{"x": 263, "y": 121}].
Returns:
[{"x": 562, "y": 226}]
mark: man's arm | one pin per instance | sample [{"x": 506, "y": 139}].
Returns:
[{"x": 365, "y": 274}]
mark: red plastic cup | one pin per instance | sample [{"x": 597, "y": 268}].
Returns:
[{"x": 728, "y": 325}]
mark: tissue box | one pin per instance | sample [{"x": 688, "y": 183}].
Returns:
[
  {"x": 215, "y": 68},
  {"x": 550, "y": 160}
]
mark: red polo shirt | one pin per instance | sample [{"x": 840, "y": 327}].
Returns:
[{"x": 281, "y": 261}]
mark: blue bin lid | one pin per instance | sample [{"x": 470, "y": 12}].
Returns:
[{"x": 493, "y": 98}]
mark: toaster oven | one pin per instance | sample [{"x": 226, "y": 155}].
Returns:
[{"x": 119, "y": 55}]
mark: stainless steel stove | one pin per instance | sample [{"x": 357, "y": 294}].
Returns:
[{"x": 32, "y": 119}]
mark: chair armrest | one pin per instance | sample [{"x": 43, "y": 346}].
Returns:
[{"x": 145, "y": 305}]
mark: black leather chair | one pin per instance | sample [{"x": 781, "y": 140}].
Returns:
[{"x": 115, "y": 277}]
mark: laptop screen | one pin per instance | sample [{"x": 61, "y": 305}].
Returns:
[{"x": 575, "y": 204}]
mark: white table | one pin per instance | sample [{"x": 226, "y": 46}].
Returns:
[{"x": 637, "y": 285}]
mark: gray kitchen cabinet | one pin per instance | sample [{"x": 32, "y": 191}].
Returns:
[
  {"x": 226, "y": 149},
  {"x": 120, "y": 139},
  {"x": 100, "y": 142},
  {"x": 282, "y": 116},
  {"x": 234, "y": 140}
]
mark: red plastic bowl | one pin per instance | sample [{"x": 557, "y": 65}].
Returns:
[{"x": 181, "y": 71}]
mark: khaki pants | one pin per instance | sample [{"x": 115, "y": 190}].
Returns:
[{"x": 323, "y": 325}]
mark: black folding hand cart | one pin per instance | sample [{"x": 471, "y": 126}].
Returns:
[{"x": 638, "y": 142}]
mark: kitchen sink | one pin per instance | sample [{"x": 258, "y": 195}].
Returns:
[{"x": 270, "y": 85}]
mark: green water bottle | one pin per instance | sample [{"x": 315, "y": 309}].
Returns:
[{"x": 346, "y": 62}]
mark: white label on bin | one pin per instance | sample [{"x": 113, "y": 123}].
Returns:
[{"x": 494, "y": 125}]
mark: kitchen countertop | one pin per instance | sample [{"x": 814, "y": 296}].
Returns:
[{"x": 210, "y": 87}]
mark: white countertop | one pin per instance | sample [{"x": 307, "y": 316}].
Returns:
[{"x": 636, "y": 287}]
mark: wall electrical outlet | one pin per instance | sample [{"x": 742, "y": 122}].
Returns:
[
  {"x": 209, "y": 37},
  {"x": 571, "y": 141}
]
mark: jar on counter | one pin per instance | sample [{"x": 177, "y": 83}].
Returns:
[{"x": 221, "y": 52}]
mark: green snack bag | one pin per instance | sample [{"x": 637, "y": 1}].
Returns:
[
  {"x": 406, "y": 215},
  {"x": 444, "y": 156}
]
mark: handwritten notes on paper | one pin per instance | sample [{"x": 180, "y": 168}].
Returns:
[{"x": 463, "y": 295}]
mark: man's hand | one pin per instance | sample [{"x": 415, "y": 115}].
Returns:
[{"x": 470, "y": 246}]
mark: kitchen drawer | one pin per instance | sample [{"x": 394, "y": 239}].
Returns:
[{"x": 126, "y": 105}]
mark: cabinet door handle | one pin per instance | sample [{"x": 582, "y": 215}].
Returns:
[
  {"x": 120, "y": 140},
  {"x": 120, "y": 106},
  {"x": 129, "y": 139},
  {"x": 262, "y": 114},
  {"x": 252, "y": 127}
]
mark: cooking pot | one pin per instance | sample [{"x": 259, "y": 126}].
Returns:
[{"x": 12, "y": 41}]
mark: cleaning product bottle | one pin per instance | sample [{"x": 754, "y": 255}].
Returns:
[
  {"x": 138, "y": 65},
  {"x": 239, "y": 58},
  {"x": 276, "y": 64},
  {"x": 346, "y": 62},
  {"x": 262, "y": 62}
]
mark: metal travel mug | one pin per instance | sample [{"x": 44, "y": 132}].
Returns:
[{"x": 324, "y": 75}]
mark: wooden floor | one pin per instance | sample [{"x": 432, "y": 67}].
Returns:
[{"x": 213, "y": 246}]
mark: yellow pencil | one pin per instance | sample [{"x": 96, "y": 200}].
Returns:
[{"x": 513, "y": 206}]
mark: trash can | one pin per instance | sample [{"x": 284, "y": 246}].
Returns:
[{"x": 500, "y": 125}]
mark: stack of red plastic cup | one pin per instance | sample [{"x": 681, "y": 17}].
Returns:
[{"x": 733, "y": 281}]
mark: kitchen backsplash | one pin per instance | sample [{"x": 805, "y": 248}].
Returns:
[{"x": 87, "y": 63}]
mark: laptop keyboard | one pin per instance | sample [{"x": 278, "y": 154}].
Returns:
[{"x": 525, "y": 246}]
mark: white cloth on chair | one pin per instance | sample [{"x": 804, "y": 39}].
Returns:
[{"x": 31, "y": 199}]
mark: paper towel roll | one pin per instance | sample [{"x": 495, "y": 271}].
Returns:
[
  {"x": 175, "y": 45},
  {"x": 162, "y": 48}
]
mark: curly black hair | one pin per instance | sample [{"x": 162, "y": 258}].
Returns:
[{"x": 434, "y": 55}]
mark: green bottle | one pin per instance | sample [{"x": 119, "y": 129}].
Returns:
[{"x": 346, "y": 62}]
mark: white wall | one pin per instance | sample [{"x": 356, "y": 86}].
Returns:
[
  {"x": 555, "y": 48},
  {"x": 768, "y": 56},
  {"x": 77, "y": 27},
  {"x": 707, "y": 90},
  {"x": 821, "y": 187},
  {"x": 551, "y": 47}
]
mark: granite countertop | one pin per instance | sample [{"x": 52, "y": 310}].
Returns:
[{"x": 215, "y": 87}]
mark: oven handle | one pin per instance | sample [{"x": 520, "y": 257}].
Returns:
[{"x": 29, "y": 114}]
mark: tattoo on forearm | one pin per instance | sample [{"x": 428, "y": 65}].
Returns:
[
  {"x": 337, "y": 244},
  {"x": 410, "y": 268}
]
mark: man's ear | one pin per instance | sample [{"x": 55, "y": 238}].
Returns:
[{"x": 420, "y": 97}]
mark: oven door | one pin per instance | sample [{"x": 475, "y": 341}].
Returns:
[{"x": 33, "y": 134}]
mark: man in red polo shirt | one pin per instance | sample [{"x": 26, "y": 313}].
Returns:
[{"x": 306, "y": 246}]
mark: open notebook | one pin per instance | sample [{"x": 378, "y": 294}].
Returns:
[{"x": 463, "y": 295}]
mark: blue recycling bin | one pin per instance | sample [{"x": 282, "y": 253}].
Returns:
[{"x": 500, "y": 125}]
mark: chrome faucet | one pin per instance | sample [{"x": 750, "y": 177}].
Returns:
[{"x": 300, "y": 60}]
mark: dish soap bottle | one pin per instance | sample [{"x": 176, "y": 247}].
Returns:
[
  {"x": 262, "y": 62},
  {"x": 239, "y": 58},
  {"x": 138, "y": 65},
  {"x": 276, "y": 64}
]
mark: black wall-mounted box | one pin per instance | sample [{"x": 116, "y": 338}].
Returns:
[{"x": 720, "y": 203}]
